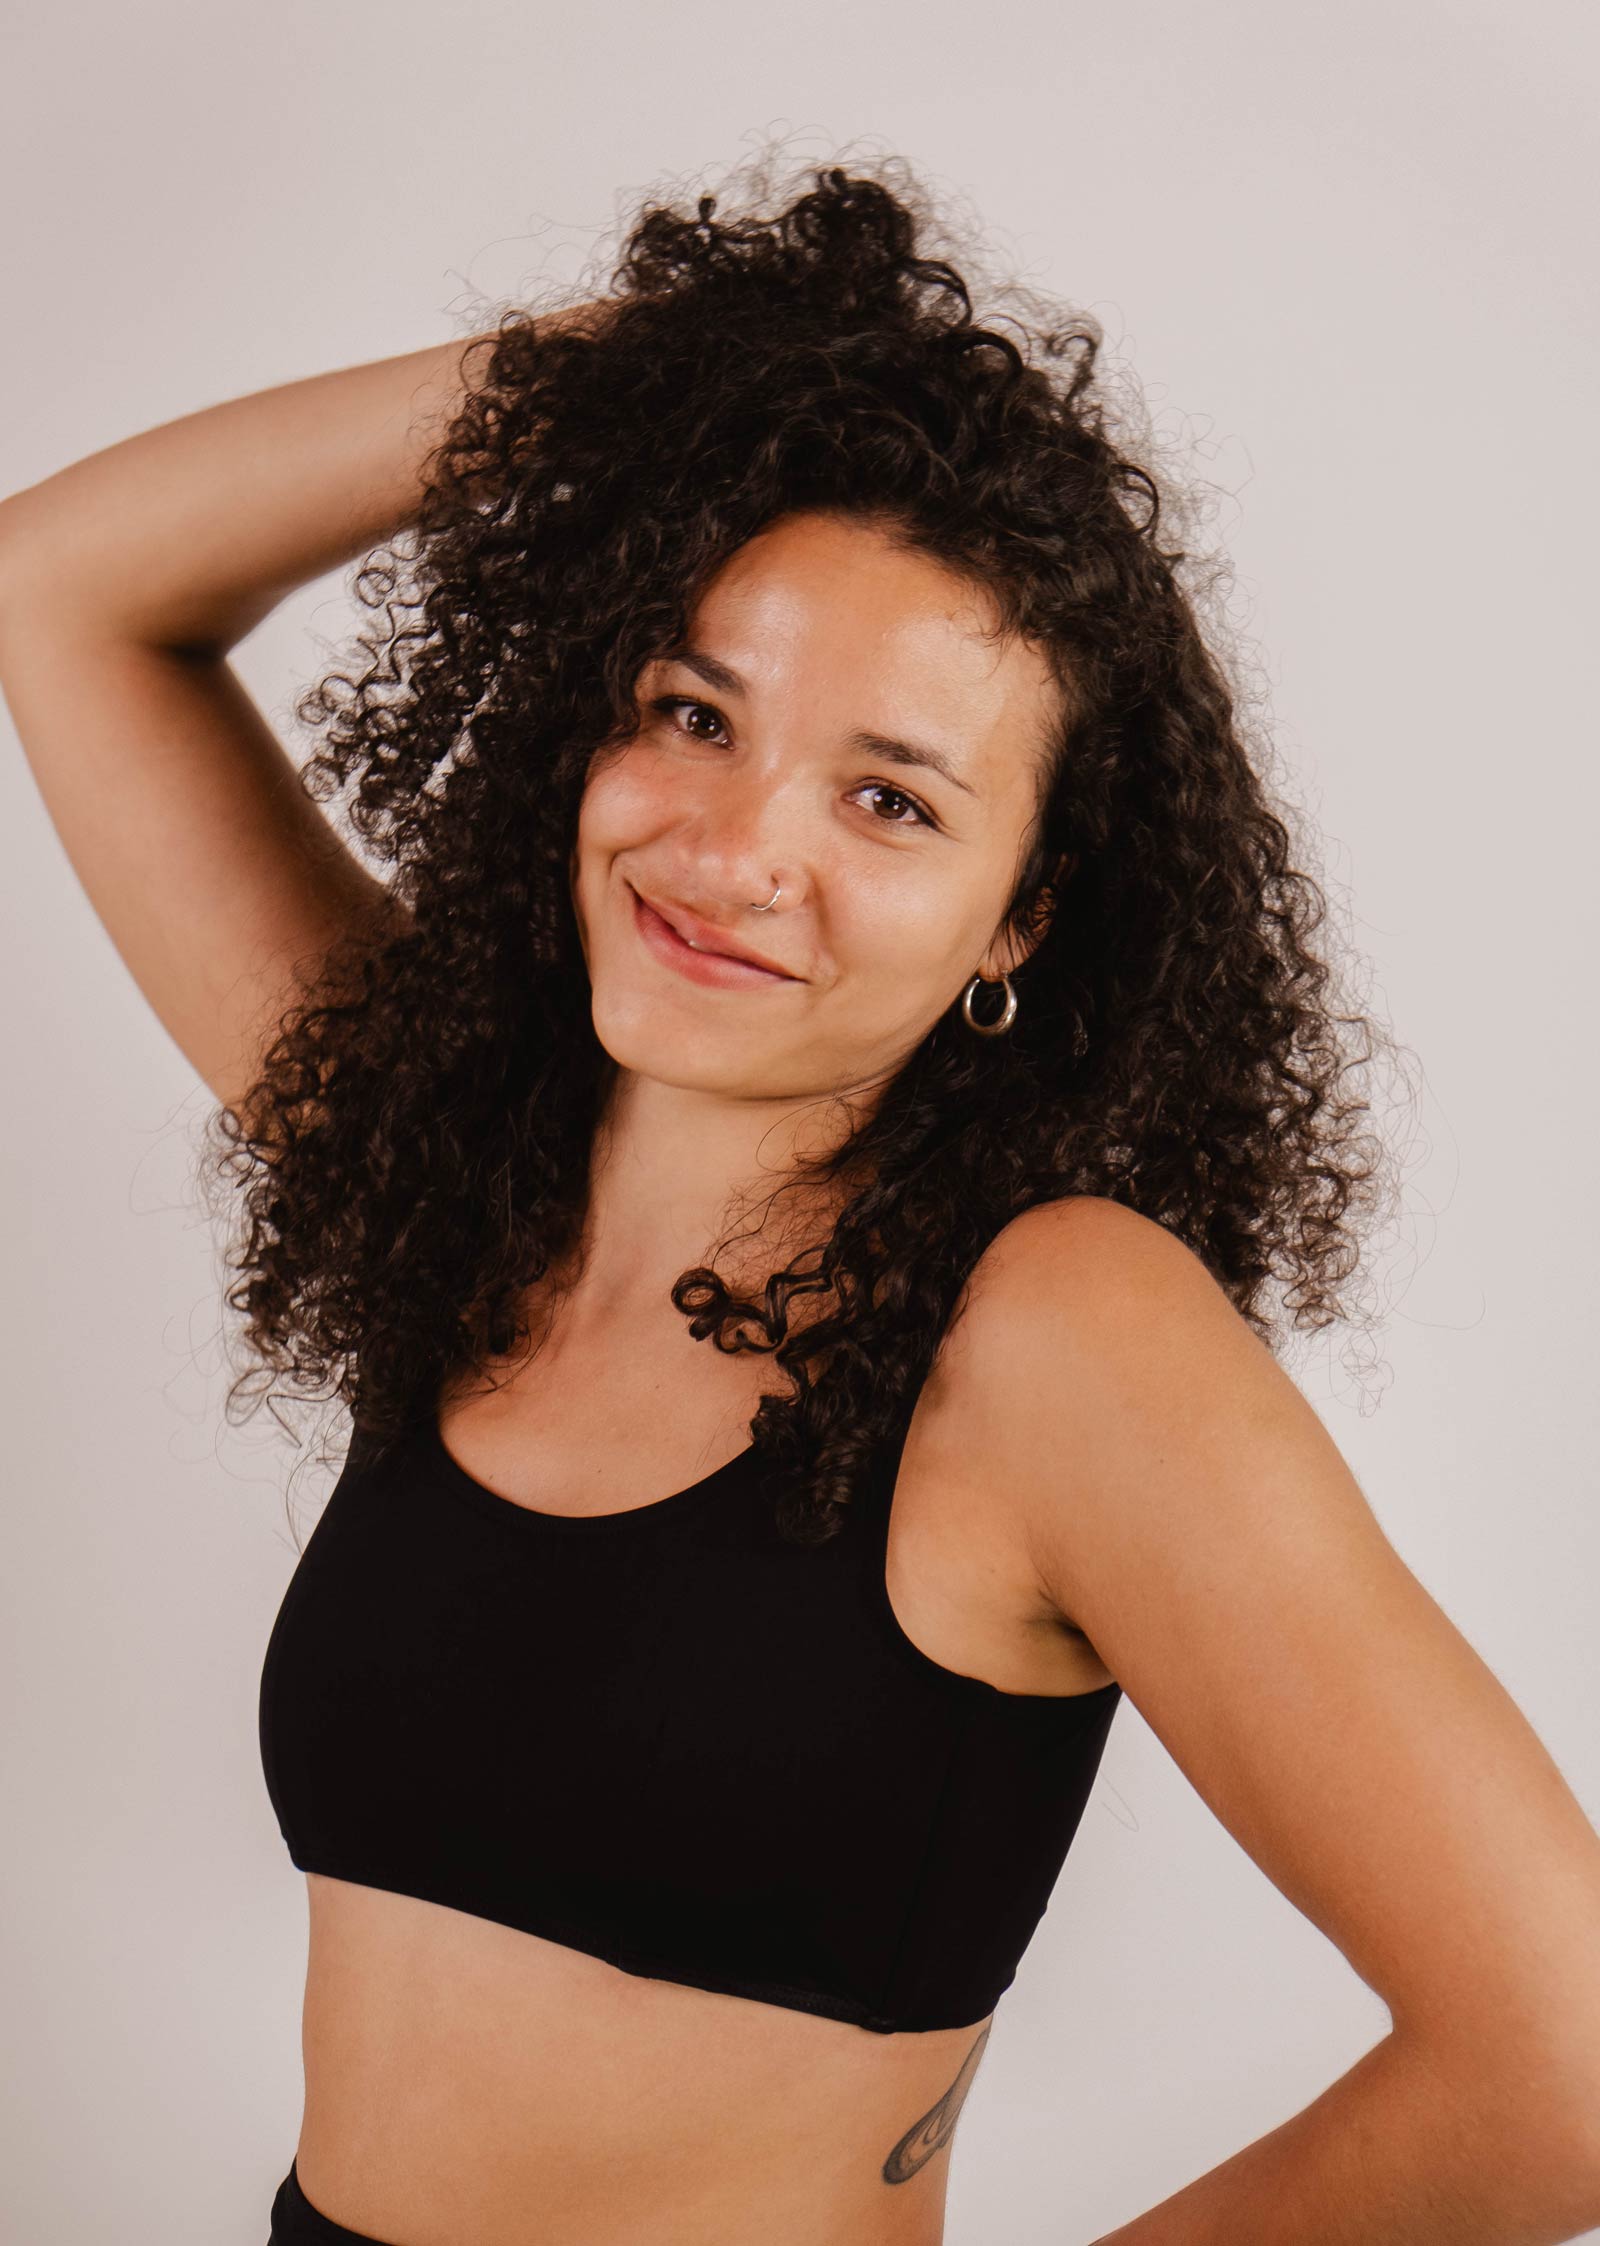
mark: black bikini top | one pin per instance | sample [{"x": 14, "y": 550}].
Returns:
[{"x": 666, "y": 1737}]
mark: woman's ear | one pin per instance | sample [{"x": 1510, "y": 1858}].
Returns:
[{"x": 1019, "y": 944}]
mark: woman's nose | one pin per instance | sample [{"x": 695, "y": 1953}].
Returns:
[{"x": 745, "y": 825}]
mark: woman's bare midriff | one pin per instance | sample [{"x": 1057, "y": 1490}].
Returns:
[{"x": 468, "y": 2084}]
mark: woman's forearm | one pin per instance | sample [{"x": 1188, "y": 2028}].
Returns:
[
  {"x": 188, "y": 534},
  {"x": 1392, "y": 2154}
]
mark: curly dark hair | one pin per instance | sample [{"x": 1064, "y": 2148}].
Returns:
[{"x": 415, "y": 1152}]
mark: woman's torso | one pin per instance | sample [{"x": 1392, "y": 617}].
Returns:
[{"x": 469, "y": 2081}]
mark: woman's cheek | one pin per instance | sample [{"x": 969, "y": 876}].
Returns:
[{"x": 624, "y": 804}]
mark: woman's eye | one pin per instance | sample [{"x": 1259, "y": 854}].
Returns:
[
  {"x": 670, "y": 704},
  {"x": 919, "y": 817},
  {"x": 667, "y": 704}
]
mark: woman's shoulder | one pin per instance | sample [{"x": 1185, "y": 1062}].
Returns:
[
  {"x": 1095, "y": 1365},
  {"x": 1085, "y": 1317},
  {"x": 1084, "y": 1262}
]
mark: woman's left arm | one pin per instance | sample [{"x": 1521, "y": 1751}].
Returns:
[{"x": 1186, "y": 1510}]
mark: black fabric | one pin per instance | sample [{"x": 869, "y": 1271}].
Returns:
[
  {"x": 666, "y": 1737},
  {"x": 295, "y": 2222}
]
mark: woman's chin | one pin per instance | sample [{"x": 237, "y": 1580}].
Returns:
[{"x": 652, "y": 1040}]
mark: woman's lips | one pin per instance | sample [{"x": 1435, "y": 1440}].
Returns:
[{"x": 712, "y": 967}]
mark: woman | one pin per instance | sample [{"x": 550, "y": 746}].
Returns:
[{"x": 832, "y": 916}]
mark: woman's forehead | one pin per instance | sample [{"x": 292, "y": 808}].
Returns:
[{"x": 814, "y": 590}]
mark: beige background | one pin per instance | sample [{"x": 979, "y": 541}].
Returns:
[{"x": 1347, "y": 250}]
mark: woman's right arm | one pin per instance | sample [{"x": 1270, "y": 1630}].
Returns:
[{"x": 124, "y": 581}]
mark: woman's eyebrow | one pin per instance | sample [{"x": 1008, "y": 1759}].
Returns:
[
  {"x": 715, "y": 673},
  {"x": 726, "y": 680}
]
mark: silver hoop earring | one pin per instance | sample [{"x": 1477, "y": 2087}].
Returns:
[
  {"x": 1007, "y": 1016},
  {"x": 771, "y": 901}
]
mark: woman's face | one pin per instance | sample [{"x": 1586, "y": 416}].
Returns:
[{"x": 753, "y": 769}]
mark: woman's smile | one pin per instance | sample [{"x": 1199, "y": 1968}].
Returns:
[{"x": 715, "y": 968}]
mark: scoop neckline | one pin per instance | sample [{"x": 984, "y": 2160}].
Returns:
[{"x": 467, "y": 1486}]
